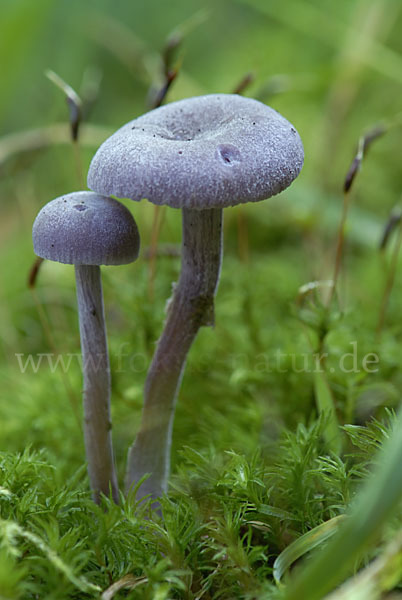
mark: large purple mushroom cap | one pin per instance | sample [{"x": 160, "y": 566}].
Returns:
[
  {"x": 84, "y": 228},
  {"x": 204, "y": 152}
]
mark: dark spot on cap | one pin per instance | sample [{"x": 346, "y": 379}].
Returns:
[
  {"x": 293, "y": 130},
  {"x": 180, "y": 151},
  {"x": 80, "y": 207},
  {"x": 228, "y": 154}
]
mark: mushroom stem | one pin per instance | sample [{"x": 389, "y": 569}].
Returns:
[
  {"x": 96, "y": 372},
  {"x": 191, "y": 307}
]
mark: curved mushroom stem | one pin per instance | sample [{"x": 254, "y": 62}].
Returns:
[
  {"x": 191, "y": 307},
  {"x": 96, "y": 371}
]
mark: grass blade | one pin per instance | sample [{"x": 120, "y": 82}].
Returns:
[
  {"x": 382, "y": 575},
  {"x": 304, "y": 544},
  {"x": 374, "y": 504}
]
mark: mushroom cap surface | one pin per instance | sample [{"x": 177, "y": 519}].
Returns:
[
  {"x": 84, "y": 228},
  {"x": 204, "y": 152}
]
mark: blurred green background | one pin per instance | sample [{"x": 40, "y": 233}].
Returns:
[{"x": 334, "y": 69}]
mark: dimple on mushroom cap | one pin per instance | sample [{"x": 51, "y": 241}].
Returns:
[
  {"x": 204, "y": 152},
  {"x": 84, "y": 228}
]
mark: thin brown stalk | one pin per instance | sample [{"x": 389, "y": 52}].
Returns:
[
  {"x": 244, "y": 83},
  {"x": 389, "y": 284},
  {"x": 78, "y": 164},
  {"x": 339, "y": 246}
]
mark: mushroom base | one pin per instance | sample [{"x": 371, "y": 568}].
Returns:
[{"x": 191, "y": 307}]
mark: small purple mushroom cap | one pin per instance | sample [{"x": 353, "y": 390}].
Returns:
[
  {"x": 83, "y": 228},
  {"x": 205, "y": 152}
]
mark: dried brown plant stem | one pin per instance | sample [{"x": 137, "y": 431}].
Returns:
[
  {"x": 364, "y": 144},
  {"x": 339, "y": 246},
  {"x": 389, "y": 283},
  {"x": 78, "y": 164}
]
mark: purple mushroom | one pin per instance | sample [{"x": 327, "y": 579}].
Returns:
[
  {"x": 88, "y": 230},
  {"x": 200, "y": 155}
]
